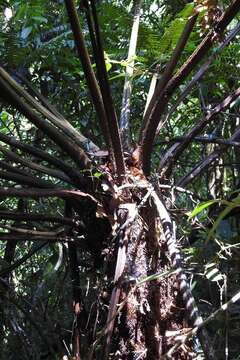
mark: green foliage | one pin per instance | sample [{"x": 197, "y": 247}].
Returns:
[
  {"x": 38, "y": 43},
  {"x": 229, "y": 206}
]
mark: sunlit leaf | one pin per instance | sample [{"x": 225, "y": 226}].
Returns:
[{"x": 201, "y": 207}]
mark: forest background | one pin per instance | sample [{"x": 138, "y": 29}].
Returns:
[{"x": 119, "y": 196}]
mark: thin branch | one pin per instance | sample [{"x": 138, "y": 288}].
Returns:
[
  {"x": 27, "y": 163},
  {"x": 38, "y": 193},
  {"x": 35, "y": 248},
  {"x": 149, "y": 131},
  {"x": 6, "y": 166},
  {"x": 87, "y": 68},
  {"x": 204, "y": 46},
  {"x": 205, "y": 163},
  {"x": 24, "y": 178},
  {"x": 200, "y": 73},
  {"x": 127, "y": 91},
  {"x": 96, "y": 40},
  {"x": 108, "y": 101},
  {"x": 61, "y": 123},
  {"x": 35, "y": 93},
  {"x": 10, "y": 215},
  {"x": 57, "y": 120},
  {"x": 103, "y": 100},
  {"x": 26, "y": 231},
  {"x": 171, "y": 65},
  {"x": 202, "y": 139},
  {"x": 74, "y": 174},
  {"x": 168, "y": 161},
  {"x": 54, "y": 134},
  {"x": 198, "y": 169},
  {"x": 17, "y": 237},
  {"x": 50, "y": 112}
]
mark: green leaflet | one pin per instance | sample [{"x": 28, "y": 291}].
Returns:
[{"x": 202, "y": 206}]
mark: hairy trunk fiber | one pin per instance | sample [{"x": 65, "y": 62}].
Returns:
[{"x": 148, "y": 304}]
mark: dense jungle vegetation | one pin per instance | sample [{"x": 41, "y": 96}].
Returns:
[{"x": 119, "y": 179}]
